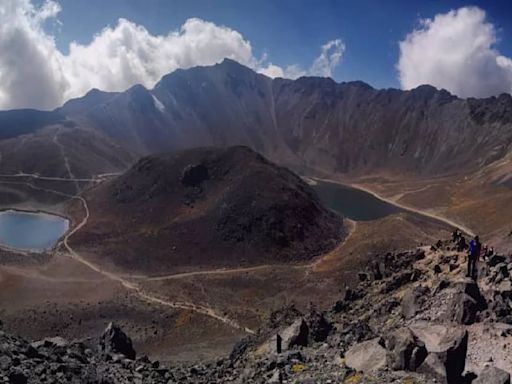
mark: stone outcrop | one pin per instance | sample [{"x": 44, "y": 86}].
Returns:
[
  {"x": 114, "y": 340},
  {"x": 367, "y": 356}
]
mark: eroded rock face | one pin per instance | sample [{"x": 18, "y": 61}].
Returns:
[{"x": 114, "y": 340}]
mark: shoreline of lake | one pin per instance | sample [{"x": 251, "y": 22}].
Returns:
[{"x": 46, "y": 242}]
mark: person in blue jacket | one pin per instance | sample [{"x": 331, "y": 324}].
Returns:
[{"x": 475, "y": 247}]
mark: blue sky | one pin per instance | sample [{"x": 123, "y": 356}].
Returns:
[
  {"x": 54, "y": 50},
  {"x": 289, "y": 31}
]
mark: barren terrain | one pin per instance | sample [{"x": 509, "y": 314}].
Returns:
[{"x": 64, "y": 293}]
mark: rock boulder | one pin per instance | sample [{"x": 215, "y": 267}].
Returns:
[
  {"x": 404, "y": 350},
  {"x": 114, "y": 340},
  {"x": 368, "y": 356},
  {"x": 446, "y": 346}
]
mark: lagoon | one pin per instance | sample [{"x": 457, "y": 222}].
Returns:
[
  {"x": 353, "y": 203},
  {"x": 31, "y": 231}
]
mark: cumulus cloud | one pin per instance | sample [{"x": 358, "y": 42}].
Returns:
[
  {"x": 30, "y": 73},
  {"x": 34, "y": 73},
  {"x": 456, "y": 51}
]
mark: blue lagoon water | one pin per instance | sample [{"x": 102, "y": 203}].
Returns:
[
  {"x": 353, "y": 203},
  {"x": 34, "y": 231}
]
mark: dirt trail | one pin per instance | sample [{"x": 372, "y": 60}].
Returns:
[
  {"x": 66, "y": 159},
  {"x": 135, "y": 288},
  {"x": 226, "y": 271},
  {"x": 47, "y": 178},
  {"x": 222, "y": 271}
]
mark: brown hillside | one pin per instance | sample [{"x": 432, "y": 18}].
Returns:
[{"x": 206, "y": 207}]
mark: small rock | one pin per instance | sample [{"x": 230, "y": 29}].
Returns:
[
  {"x": 295, "y": 335},
  {"x": 492, "y": 375}
]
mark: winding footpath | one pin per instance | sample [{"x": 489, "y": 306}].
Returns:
[
  {"x": 138, "y": 291},
  {"x": 133, "y": 287},
  {"x": 47, "y": 178}
]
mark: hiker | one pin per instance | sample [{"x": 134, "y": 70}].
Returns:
[
  {"x": 456, "y": 234},
  {"x": 475, "y": 247},
  {"x": 461, "y": 245},
  {"x": 489, "y": 253}
]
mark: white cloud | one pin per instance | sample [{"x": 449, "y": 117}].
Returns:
[
  {"x": 294, "y": 71},
  {"x": 331, "y": 54},
  {"x": 34, "y": 73},
  {"x": 30, "y": 73},
  {"x": 127, "y": 54},
  {"x": 455, "y": 51}
]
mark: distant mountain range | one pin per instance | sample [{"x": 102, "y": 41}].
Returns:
[{"x": 305, "y": 123}]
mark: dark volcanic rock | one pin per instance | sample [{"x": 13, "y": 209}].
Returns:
[
  {"x": 208, "y": 206},
  {"x": 463, "y": 309},
  {"x": 319, "y": 326},
  {"x": 194, "y": 175},
  {"x": 114, "y": 340}
]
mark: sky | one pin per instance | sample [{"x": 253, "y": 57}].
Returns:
[{"x": 54, "y": 50}]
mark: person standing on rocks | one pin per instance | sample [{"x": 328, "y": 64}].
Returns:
[
  {"x": 475, "y": 247},
  {"x": 456, "y": 234},
  {"x": 461, "y": 245}
]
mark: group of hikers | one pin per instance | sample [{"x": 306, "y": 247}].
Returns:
[{"x": 474, "y": 248}]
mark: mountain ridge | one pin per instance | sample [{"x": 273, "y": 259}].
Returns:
[
  {"x": 230, "y": 104},
  {"x": 312, "y": 125}
]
